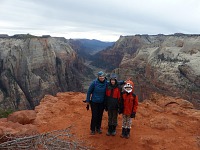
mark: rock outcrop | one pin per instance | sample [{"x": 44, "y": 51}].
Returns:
[
  {"x": 161, "y": 122},
  {"x": 168, "y": 64},
  {"x": 31, "y": 67},
  {"x": 22, "y": 117},
  {"x": 10, "y": 130}
]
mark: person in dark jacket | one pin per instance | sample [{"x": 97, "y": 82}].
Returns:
[
  {"x": 112, "y": 103},
  {"x": 128, "y": 108},
  {"x": 95, "y": 97}
]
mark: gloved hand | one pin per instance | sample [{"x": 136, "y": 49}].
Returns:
[
  {"x": 133, "y": 115},
  {"x": 88, "y": 107}
]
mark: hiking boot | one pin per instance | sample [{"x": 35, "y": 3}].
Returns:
[
  {"x": 128, "y": 133},
  {"x": 123, "y": 133},
  {"x": 92, "y": 132},
  {"x": 113, "y": 131},
  {"x": 99, "y": 131},
  {"x": 109, "y": 131}
]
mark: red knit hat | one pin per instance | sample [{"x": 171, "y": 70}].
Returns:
[{"x": 130, "y": 82}]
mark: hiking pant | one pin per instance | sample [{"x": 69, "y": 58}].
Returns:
[
  {"x": 97, "y": 113},
  {"x": 126, "y": 121},
  {"x": 112, "y": 117}
]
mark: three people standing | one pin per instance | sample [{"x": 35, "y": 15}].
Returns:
[{"x": 107, "y": 95}]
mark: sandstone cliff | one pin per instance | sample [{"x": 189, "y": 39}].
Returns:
[
  {"x": 31, "y": 67},
  {"x": 168, "y": 64}
]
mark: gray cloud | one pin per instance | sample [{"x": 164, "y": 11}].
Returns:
[{"x": 100, "y": 19}]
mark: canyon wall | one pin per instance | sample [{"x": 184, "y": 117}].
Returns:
[
  {"x": 31, "y": 67},
  {"x": 168, "y": 64}
]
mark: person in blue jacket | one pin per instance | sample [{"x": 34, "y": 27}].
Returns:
[{"x": 95, "y": 97}]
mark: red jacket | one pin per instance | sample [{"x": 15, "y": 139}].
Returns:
[
  {"x": 112, "y": 97},
  {"x": 129, "y": 102},
  {"x": 114, "y": 93}
]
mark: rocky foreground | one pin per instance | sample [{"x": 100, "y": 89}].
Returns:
[{"x": 162, "y": 123}]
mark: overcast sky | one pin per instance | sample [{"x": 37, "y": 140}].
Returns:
[{"x": 104, "y": 20}]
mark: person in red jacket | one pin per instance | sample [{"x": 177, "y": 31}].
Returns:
[
  {"x": 112, "y": 104},
  {"x": 128, "y": 108}
]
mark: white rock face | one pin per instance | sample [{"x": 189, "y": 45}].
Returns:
[
  {"x": 33, "y": 67},
  {"x": 171, "y": 65}
]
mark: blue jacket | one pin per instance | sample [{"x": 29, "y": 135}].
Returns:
[{"x": 98, "y": 91}]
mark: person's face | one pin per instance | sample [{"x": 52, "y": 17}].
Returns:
[
  {"x": 128, "y": 89},
  {"x": 101, "y": 78},
  {"x": 112, "y": 81}
]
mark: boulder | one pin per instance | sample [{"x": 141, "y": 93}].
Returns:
[{"x": 22, "y": 117}]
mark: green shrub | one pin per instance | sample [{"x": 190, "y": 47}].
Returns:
[{"x": 5, "y": 113}]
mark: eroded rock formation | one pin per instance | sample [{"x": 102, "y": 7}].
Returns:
[
  {"x": 31, "y": 67},
  {"x": 168, "y": 64}
]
